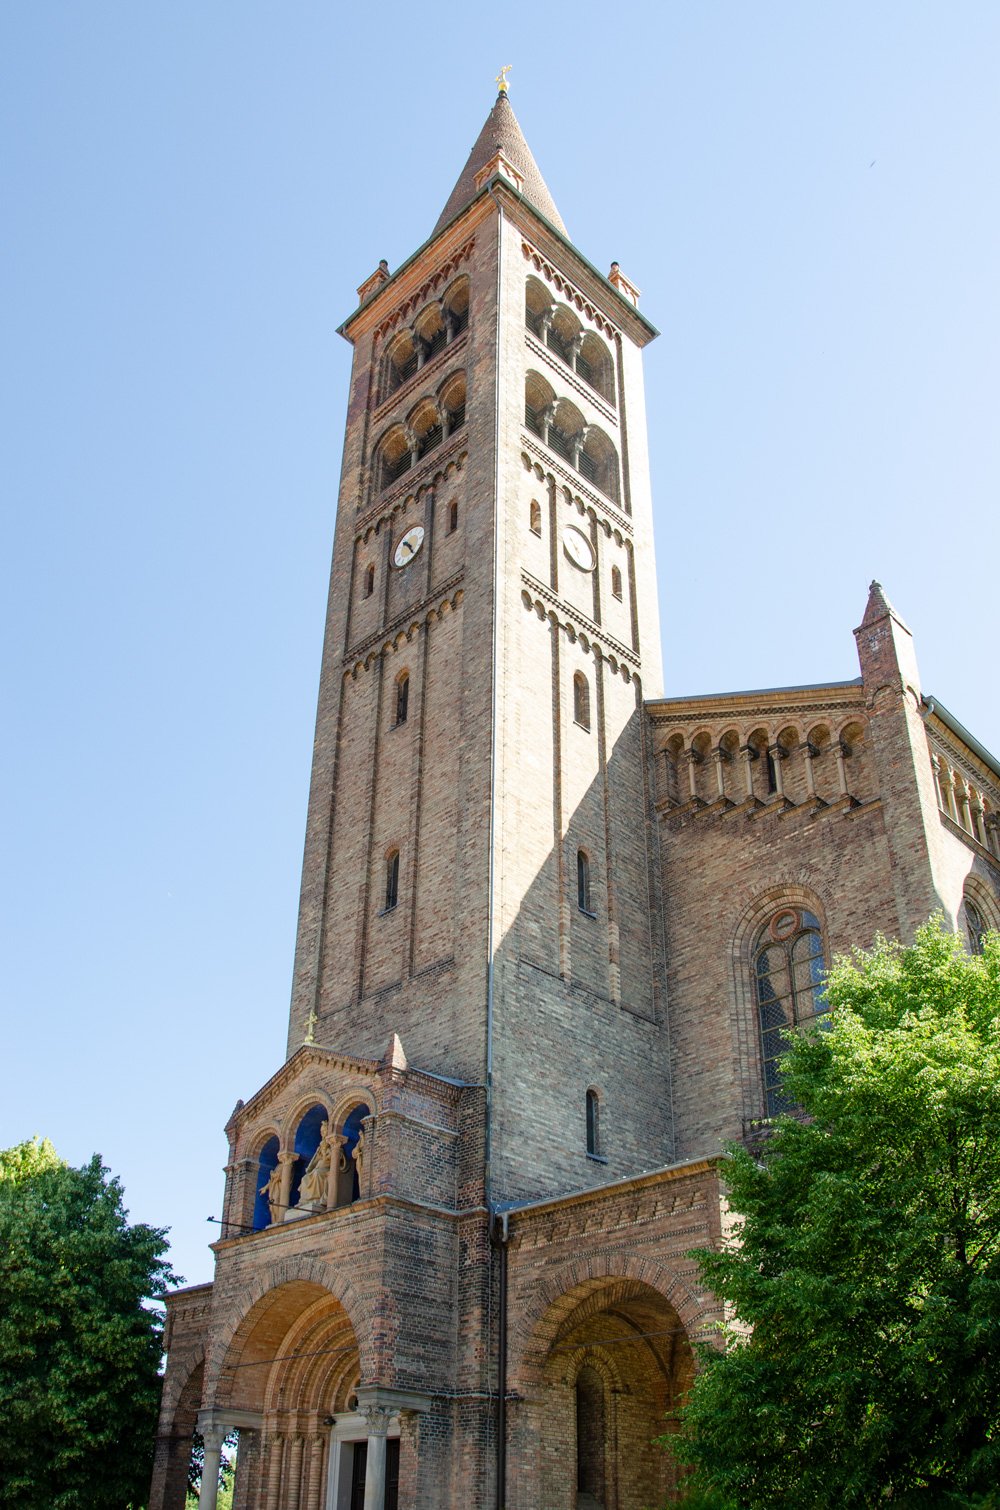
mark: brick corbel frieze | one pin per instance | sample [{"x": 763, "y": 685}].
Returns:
[
  {"x": 571, "y": 484},
  {"x": 385, "y": 510},
  {"x": 567, "y": 290},
  {"x": 414, "y": 302},
  {"x": 591, "y": 636},
  {"x": 388, "y": 640}
]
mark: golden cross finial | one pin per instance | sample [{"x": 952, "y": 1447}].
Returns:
[
  {"x": 501, "y": 78},
  {"x": 310, "y": 1026}
]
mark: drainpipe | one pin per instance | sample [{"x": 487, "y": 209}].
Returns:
[{"x": 500, "y": 1239}]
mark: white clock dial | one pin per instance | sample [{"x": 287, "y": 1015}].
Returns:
[
  {"x": 408, "y": 546},
  {"x": 578, "y": 548}
]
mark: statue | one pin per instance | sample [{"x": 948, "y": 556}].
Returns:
[
  {"x": 313, "y": 1190},
  {"x": 359, "y": 1153},
  {"x": 273, "y": 1192}
]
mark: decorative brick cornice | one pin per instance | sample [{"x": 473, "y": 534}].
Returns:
[
  {"x": 402, "y": 630},
  {"x": 430, "y": 369},
  {"x": 591, "y": 635},
  {"x": 571, "y": 482},
  {"x": 567, "y": 375},
  {"x": 414, "y": 302},
  {"x": 567, "y": 290},
  {"x": 308, "y": 1055},
  {"x": 399, "y": 500}
]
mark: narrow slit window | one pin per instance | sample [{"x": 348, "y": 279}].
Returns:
[
  {"x": 593, "y": 1124},
  {"x": 583, "y": 881},
  {"x": 536, "y": 517},
  {"x": 391, "y": 880},
  {"x": 402, "y": 698},
  {"x": 453, "y": 516},
  {"x": 616, "y": 583},
  {"x": 581, "y": 700},
  {"x": 370, "y": 580}
]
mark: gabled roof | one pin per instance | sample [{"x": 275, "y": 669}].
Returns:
[{"x": 501, "y": 133}]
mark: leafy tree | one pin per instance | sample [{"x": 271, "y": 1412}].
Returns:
[
  {"x": 862, "y": 1363},
  {"x": 227, "y": 1470},
  {"x": 79, "y": 1352}
]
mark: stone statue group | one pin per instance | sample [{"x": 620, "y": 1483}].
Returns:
[{"x": 318, "y": 1188}]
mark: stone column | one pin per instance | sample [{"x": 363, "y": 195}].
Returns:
[
  {"x": 692, "y": 760},
  {"x": 748, "y": 755},
  {"x": 286, "y": 1159},
  {"x": 274, "y": 1473},
  {"x": 294, "y": 1482},
  {"x": 213, "y": 1437},
  {"x": 315, "y": 1473},
  {"x": 840, "y": 750},
  {"x": 777, "y": 754},
  {"x": 378, "y": 1425},
  {"x": 720, "y": 760},
  {"x": 808, "y": 751}
]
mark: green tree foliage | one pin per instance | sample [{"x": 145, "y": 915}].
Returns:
[
  {"x": 79, "y": 1352},
  {"x": 227, "y": 1469},
  {"x": 862, "y": 1365}
]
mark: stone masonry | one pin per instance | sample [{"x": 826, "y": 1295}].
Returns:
[{"x": 537, "y": 899}]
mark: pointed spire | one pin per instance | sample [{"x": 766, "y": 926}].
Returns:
[
  {"x": 501, "y": 133},
  {"x": 879, "y": 607},
  {"x": 395, "y": 1056}
]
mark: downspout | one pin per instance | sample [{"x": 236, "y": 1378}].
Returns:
[
  {"x": 493, "y": 728},
  {"x": 500, "y": 1236},
  {"x": 501, "y": 1464}
]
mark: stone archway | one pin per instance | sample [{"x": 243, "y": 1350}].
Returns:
[
  {"x": 609, "y": 1358},
  {"x": 290, "y": 1365}
]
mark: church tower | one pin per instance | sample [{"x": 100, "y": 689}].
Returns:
[
  {"x": 477, "y": 876},
  {"x": 455, "y": 1265}
]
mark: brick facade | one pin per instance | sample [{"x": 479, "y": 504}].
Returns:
[{"x": 584, "y": 870}]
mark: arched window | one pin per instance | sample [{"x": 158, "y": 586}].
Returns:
[
  {"x": 369, "y": 579},
  {"x": 536, "y": 517},
  {"x": 537, "y": 305},
  {"x": 402, "y": 696},
  {"x": 789, "y": 979},
  {"x": 593, "y": 1123},
  {"x": 583, "y": 882},
  {"x": 976, "y": 926},
  {"x": 590, "y": 1435},
  {"x": 307, "y": 1139},
  {"x": 391, "y": 880},
  {"x": 395, "y": 458},
  {"x": 352, "y": 1131},
  {"x": 616, "y": 583},
  {"x": 401, "y": 361},
  {"x": 598, "y": 462},
  {"x": 581, "y": 700},
  {"x": 451, "y": 403},
  {"x": 455, "y": 307},
  {"x": 595, "y": 365},
  {"x": 453, "y": 516},
  {"x": 267, "y": 1163}
]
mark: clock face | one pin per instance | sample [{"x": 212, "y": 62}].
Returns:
[
  {"x": 578, "y": 548},
  {"x": 408, "y": 546}
]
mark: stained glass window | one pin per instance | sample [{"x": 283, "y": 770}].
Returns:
[{"x": 789, "y": 979}]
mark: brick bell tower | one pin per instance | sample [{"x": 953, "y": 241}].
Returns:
[
  {"x": 477, "y": 1022},
  {"x": 477, "y": 876}
]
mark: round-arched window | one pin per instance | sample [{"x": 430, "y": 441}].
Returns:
[
  {"x": 789, "y": 974},
  {"x": 976, "y": 926}
]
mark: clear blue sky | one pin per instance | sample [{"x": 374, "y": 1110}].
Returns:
[{"x": 807, "y": 196}]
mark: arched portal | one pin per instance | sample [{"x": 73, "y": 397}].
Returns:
[
  {"x": 291, "y": 1366},
  {"x": 616, "y": 1361}
]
